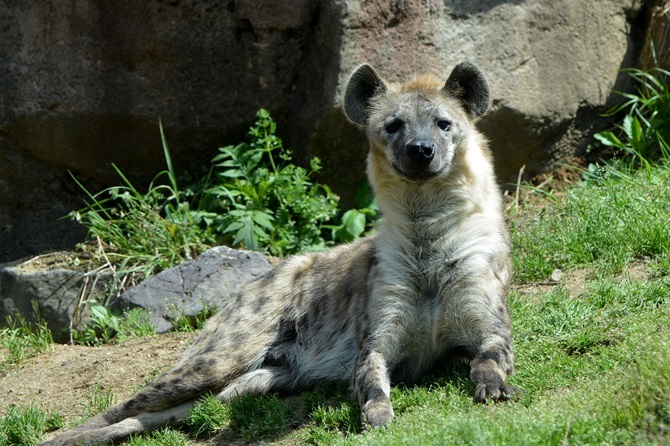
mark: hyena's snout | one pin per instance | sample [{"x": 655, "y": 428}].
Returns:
[
  {"x": 420, "y": 151},
  {"x": 420, "y": 158}
]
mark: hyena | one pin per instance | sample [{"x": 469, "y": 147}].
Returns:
[{"x": 434, "y": 278}]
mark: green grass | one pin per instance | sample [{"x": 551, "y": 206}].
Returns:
[
  {"x": 605, "y": 223},
  {"x": 22, "y": 340},
  {"x": 25, "y": 426}
]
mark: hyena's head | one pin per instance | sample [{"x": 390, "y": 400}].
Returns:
[{"x": 417, "y": 128}]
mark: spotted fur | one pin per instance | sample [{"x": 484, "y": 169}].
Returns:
[{"x": 384, "y": 309}]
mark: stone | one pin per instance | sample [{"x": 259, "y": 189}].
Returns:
[
  {"x": 200, "y": 284},
  {"x": 45, "y": 288},
  {"x": 55, "y": 295}
]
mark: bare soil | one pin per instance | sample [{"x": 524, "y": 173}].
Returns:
[{"x": 64, "y": 377}]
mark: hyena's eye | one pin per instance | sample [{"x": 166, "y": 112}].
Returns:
[
  {"x": 394, "y": 126},
  {"x": 443, "y": 124}
]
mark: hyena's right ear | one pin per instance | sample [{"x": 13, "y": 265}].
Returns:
[{"x": 363, "y": 84}]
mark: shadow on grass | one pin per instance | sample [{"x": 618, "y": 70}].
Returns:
[{"x": 327, "y": 411}]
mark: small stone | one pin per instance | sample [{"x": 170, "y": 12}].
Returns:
[{"x": 556, "y": 276}]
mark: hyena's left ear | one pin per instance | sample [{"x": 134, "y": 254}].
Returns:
[
  {"x": 468, "y": 84},
  {"x": 363, "y": 84}
]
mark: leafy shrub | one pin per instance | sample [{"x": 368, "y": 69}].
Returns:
[
  {"x": 258, "y": 200},
  {"x": 645, "y": 130}
]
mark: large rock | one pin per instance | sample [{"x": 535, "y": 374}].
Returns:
[
  {"x": 197, "y": 285},
  {"x": 46, "y": 289},
  {"x": 82, "y": 85}
]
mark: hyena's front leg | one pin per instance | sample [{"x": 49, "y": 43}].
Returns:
[
  {"x": 372, "y": 387},
  {"x": 491, "y": 366}
]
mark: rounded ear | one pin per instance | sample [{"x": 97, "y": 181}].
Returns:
[
  {"x": 468, "y": 84},
  {"x": 363, "y": 84}
]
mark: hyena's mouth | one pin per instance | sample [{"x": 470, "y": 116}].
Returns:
[{"x": 421, "y": 174}]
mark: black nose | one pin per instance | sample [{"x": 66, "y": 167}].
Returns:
[{"x": 419, "y": 150}]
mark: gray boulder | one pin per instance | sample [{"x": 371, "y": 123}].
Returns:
[
  {"x": 44, "y": 287},
  {"x": 201, "y": 284},
  {"x": 56, "y": 295}
]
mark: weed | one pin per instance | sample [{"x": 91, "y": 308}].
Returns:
[
  {"x": 257, "y": 199},
  {"x": 144, "y": 232},
  {"x": 97, "y": 400},
  {"x": 25, "y": 426},
  {"x": 23, "y": 340},
  {"x": 107, "y": 326},
  {"x": 183, "y": 323},
  {"x": 645, "y": 128}
]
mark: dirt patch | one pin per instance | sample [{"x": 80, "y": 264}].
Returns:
[{"x": 62, "y": 378}]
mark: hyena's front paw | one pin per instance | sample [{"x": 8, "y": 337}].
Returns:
[
  {"x": 377, "y": 412},
  {"x": 493, "y": 388},
  {"x": 489, "y": 381}
]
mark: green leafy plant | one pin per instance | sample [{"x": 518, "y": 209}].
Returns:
[
  {"x": 358, "y": 221},
  {"x": 106, "y": 326},
  {"x": 259, "y": 200},
  {"x": 644, "y": 133}
]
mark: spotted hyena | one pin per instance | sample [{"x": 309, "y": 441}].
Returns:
[{"x": 384, "y": 309}]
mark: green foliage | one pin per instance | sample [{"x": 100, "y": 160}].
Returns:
[
  {"x": 25, "y": 426},
  {"x": 107, "y": 326},
  {"x": 645, "y": 130},
  {"x": 23, "y": 340},
  {"x": 359, "y": 221},
  {"x": 144, "y": 232},
  {"x": 258, "y": 200}
]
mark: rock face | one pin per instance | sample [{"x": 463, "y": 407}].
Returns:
[
  {"x": 83, "y": 84},
  {"x": 194, "y": 286}
]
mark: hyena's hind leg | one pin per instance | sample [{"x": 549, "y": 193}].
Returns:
[
  {"x": 263, "y": 380},
  {"x": 117, "y": 432}
]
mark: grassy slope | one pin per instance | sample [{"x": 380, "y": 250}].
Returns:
[{"x": 593, "y": 367}]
